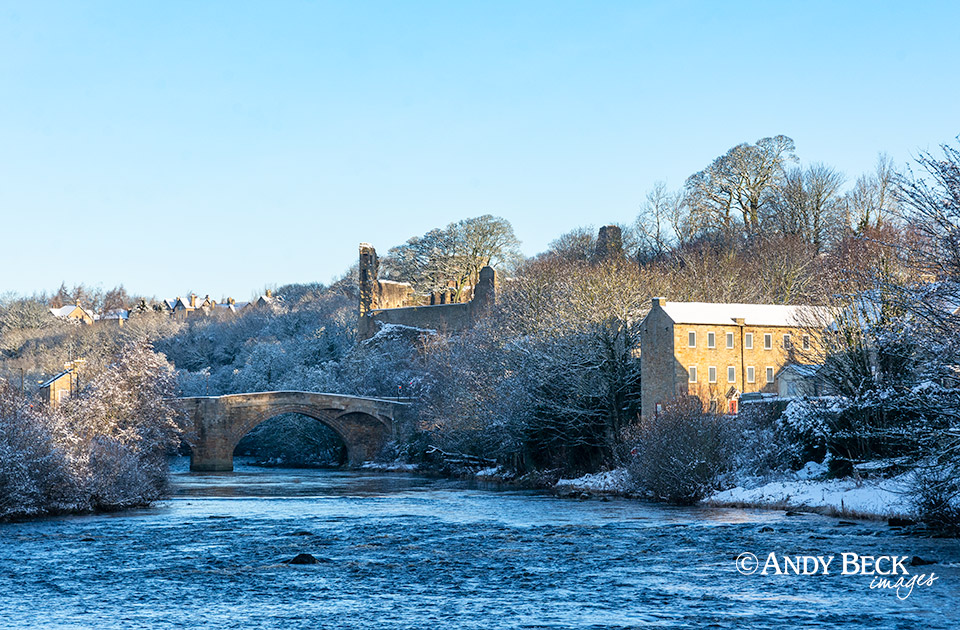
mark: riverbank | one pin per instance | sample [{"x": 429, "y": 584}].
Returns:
[{"x": 803, "y": 491}]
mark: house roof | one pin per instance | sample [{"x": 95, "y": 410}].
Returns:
[
  {"x": 64, "y": 311},
  {"x": 55, "y": 378},
  {"x": 802, "y": 370},
  {"x": 117, "y": 313},
  {"x": 752, "y": 314}
]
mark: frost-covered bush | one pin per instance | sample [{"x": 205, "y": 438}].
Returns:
[
  {"x": 681, "y": 454},
  {"x": 935, "y": 493},
  {"x": 103, "y": 449},
  {"x": 122, "y": 425},
  {"x": 763, "y": 448},
  {"x": 35, "y": 473},
  {"x": 804, "y": 428}
]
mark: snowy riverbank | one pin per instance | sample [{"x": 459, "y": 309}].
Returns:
[
  {"x": 804, "y": 490},
  {"x": 838, "y": 497}
]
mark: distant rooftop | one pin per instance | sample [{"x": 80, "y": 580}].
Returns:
[{"x": 752, "y": 314}]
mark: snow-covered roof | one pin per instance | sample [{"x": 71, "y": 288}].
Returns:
[
  {"x": 117, "y": 313},
  {"x": 801, "y": 369},
  {"x": 55, "y": 378},
  {"x": 64, "y": 311},
  {"x": 752, "y": 314}
]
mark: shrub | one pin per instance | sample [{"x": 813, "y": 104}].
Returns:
[
  {"x": 681, "y": 453},
  {"x": 935, "y": 494}
]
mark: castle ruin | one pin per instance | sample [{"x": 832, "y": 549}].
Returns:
[{"x": 388, "y": 302}]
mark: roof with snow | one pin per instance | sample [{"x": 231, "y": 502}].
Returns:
[
  {"x": 55, "y": 378},
  {"x": 752, "y": 314},
  {"x": 64, "y": 311},
  {"x": 802, "y": 370}
]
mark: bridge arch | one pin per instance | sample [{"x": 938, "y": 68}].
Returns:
[{"x": 215, "y": 424}]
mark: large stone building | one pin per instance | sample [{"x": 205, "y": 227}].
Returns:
[
  {"x": 719, "y": 351},
  {"x": 387, "y": 302}
]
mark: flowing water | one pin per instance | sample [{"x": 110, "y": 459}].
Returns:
[{"x": 404, "y": 551}]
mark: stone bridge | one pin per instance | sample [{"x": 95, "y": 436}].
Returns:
[{"x": 215, "y": 424}]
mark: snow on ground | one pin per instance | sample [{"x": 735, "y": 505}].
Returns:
[
  {"x": 389, "y": 466},
  {"x": 610, "y": 481},
  {"x": 495, "y": 473},
  {"x": 878, "y": 497}
]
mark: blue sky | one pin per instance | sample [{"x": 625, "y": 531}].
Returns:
[{"x": 223, "y": 146}]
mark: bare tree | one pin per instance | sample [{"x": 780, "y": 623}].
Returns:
[
  {"x": 809, "y": 206},
  {"x": 872, "y": 202},
  {"x": 741, "y": 182},
  {"x": 662, "y": 223}
]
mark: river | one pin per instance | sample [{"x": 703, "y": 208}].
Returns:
[{"x": 406, "y": 551}]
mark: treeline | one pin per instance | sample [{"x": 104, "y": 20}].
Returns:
[{"x": 549, "y": 385}]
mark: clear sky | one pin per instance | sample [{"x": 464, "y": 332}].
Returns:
[{"x": 221, "y": 146}]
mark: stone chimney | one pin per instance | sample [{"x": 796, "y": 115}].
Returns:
[
  {"x": 658, "y": 301},
  {"x": 193, "y": 300},
  {"x": 269, "y": 292}
]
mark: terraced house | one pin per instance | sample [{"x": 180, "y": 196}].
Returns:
[{"x": 718, "y": 352}]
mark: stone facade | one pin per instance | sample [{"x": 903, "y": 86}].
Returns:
[
  {"x": 728, "y": 350},
  {"x": 387, "y": 302},
  {"x": 215, "y": 424}
]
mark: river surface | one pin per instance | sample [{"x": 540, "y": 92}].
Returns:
[{"x": 405, "y": 551}]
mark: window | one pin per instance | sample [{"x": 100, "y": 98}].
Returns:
[
  {"x": 693, "y": 373},
  {"x": 748, "y": 341},
  {"x": 806, "y": 342},
  {"x": 712, "y": 374},
  {"x": 786, "y": 342},
  {"x": 767, "y": 341},
  {"x": 692, "y": 339},
  {"x": 751, "y": 377},
  {"x": 711, "y": 340},
  {"x": 731, "y": 374},
  {"x": 769, "y": 374},
  {"x": 729, "y": 340}
]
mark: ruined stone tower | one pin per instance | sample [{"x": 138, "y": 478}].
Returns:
[
  {"x": 609, "y": 244},
  {"x": 369, "y": 270}
]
